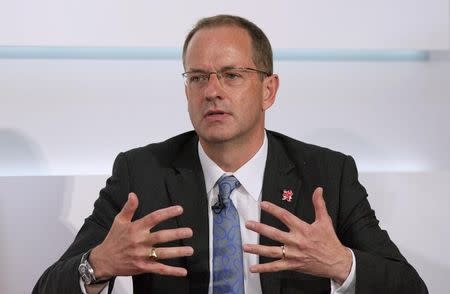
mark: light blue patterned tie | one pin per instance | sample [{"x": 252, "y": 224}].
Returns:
[{"x": 228, "y": 270}]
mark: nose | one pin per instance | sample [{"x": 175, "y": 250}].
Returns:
[{"x": 214, "y": 87}]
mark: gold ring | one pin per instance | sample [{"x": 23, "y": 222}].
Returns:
[
  {"x": 283, "y": 252},
  {"x": 153, "y": 255}
]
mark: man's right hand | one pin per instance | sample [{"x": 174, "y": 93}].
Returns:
[{"x": 127, "y": 247}]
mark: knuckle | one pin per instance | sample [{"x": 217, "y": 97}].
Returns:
[
  {"x": 160, "y": 268},
  {"x": 296, "y": 265},
  {"x": 133, "y": 246},
  {"x": 156, "y": 237},
  {"x": 301, "y": 260},
  {"x": 301, "y": 245},
  {"x": 136, "y": 251},
  {"x": 140, "y": 265},
  {"x": 133, "y": 240},
  {"x": 284, "y": 215},
  {"x": 131, "y": 233},
  {"x": 275, "y": 252},
  {"x": 184, "y": 233},
  {"x": 154, "y": 217},
  {"x": 180, "y": 233},
  {"x": 118, "y": 219},
  {"x": 276, "y": 234},
  {"x": 278, "y": 267},
  {"x": 308, "y": 232},
  {"x": 131, "y": 230}
]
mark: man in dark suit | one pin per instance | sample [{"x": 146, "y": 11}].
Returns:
[{"x": 303, "y": 219}]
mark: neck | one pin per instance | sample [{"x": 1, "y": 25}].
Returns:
[{"x": 230, "y": 156}]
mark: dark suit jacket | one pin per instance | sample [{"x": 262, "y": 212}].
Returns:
[{"x": 170, "y": 173}]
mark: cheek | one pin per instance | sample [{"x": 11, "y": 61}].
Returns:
[
  {"x": 195, "y": 111},
  {"x": 249, "y": 110},
  {"x": 191, "y": 105},
  {"x": 253, "y": 102}
]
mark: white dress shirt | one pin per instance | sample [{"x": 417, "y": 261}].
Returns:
[{"x": 246, "y": 199}]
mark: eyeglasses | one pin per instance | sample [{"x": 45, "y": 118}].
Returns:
[{"x": 228, "y": 77}]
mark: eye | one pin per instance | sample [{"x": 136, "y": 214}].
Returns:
[
  {"x": 193, "y": 78},
  {"x": 197, "y": 77},
  {"x": 231, "y": 75}
]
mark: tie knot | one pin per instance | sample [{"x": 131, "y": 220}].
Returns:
[{"x": 226, "y": 185}]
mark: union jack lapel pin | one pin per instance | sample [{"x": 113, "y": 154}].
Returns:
[{"x": 287, "y": 195}]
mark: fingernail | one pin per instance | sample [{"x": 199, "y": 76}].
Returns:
[
  {"x": 245, "y": 247},
  {"x": 264, "y": 205},
  {"x": 250, "y": 224}
]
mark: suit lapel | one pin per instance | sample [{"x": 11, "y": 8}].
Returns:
[
  {"x": 186, "y": 187},
  {"x": 280, "y": 177}
]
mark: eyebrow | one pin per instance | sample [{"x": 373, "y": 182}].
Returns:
[{"x": 221, "y": 69}]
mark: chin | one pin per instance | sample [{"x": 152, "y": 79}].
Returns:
[{"x": 215, "y": 136}]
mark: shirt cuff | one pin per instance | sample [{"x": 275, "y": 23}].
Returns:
[
  {"x": 348, "y": 287},
  {"x": 104, "y": 290}
]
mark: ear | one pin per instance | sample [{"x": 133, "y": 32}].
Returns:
[{"x": 270, "y": 88}]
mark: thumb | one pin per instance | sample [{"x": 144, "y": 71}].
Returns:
[
  {"x": 129, "y": 208},
  {"x": 320, "y": 209}
]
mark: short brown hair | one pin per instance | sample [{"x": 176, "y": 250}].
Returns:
[{"x": 262, "y": 50}]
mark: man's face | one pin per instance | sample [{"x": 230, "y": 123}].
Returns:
[{"x": 219, "y": 112}]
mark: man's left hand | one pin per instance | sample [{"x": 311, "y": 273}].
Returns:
[{"x": 308, "y": 248}]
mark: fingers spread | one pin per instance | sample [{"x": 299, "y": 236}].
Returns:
[
  {"x": 268, "y": 231},
  {"x": 320, "y": 208},
  {"x": 160, "y": 215},
  {"x": 164, "y": 236},
  {"x": 274, "y": 266},
  {"x": 283, "y": 215},
  {"x": 172, "y": 252},
  {"x": 153, "y": 266},
  {"x": 127, "y": 212},
  {"x": 267, "y": 251},
  {"x": 165, "y": 270}
]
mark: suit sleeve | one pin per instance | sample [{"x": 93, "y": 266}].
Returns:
[
  {"x": 380, "y": 267},
  {"x": 62, "y": 276}
]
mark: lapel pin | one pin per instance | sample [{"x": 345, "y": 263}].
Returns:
[{"x": 287, "y": 195}]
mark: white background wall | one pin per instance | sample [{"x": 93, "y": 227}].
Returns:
[
  {"x": 288, "y": 23},
  {"x": 63, "y": 120}
]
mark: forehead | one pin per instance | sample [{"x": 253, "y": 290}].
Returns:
[{"x": 219, "y": 46}]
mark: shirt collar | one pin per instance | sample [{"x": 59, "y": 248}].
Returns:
[{"x": 250, "y": 175}]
